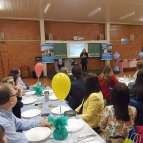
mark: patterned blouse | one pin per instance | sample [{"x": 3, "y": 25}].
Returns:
[{"x": 111, "y": 127}]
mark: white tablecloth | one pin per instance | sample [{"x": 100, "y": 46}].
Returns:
[
  {"x": 133, "y": 64},
  {"x": 125, "y": 80},
  {"x": 84, "y": 131}
]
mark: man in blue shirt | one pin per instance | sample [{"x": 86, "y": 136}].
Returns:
[{"x": 8, "y": 121}]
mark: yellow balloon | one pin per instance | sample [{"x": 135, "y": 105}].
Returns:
[{"x": 61, "y": 85}]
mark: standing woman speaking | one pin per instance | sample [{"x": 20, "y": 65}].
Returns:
[{"x": 84, "y": 56}]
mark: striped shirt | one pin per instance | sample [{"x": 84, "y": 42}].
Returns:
[{"x": 11, "y": 124}]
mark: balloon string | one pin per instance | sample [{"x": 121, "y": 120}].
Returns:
[
  {"x": 38, "y": 79},
  {"x": 60, "y": 107}
]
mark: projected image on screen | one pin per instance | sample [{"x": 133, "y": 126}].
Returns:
[{"x": 75, "y": 49}]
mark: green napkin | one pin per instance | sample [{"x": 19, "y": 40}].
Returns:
[
  {"x": 38, "y": 89},
  {"x": 60, "y": 132}
]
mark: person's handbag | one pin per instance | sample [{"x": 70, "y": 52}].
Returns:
[
  {"x": 136, "y": 138},
  {"x": 70, "y": 113},
  {"x": 117, "y": 139}
]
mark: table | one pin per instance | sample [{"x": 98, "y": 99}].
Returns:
[
  {"x": 125, "y": 64},
  {"x": 85, "y": 130},
  {"x": 126, "y": 80}
]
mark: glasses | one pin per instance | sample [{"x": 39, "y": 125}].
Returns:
[{"x": 15, "y": 94}]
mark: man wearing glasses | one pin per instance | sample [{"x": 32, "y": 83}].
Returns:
[{"x": 11, "y": 123}]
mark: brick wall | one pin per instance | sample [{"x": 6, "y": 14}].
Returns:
[
  {"x": 132, "y": 49},
  {"x": 22, "y": 41},
  {"x": 67, "y": 31},
  {"x": 21, "y": 45}
]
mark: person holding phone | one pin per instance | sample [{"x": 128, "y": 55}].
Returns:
[{"x": 84, "y": 56}]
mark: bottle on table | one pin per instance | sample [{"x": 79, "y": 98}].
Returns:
[
  {"x": 129, "y": 77},
  {"x": 46, "y": 96}
]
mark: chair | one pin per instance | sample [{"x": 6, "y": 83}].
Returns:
[
  {"x": 24, "y": 70},
  {"x": 74, "y": 63},
  {"x": 139, "y": 106}
]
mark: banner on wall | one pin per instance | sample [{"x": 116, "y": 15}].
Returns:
[
  {"x": 106, "y": 51},
  {"x": 47, "y": 52}
]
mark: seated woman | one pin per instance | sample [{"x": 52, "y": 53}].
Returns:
[
  {"x": 21, "y": 84},
  {"x": 118, "y": 119},
  {"x": 136, "y": 91},
  {"x": 136, "y": 88},
  {"x": 139, "y": 66},
  {"x": 92, "y": 105},
  {"x": 65, "y": 70},
  {"x": 107, "y": 79},
  {"x": 136, "y": 96},
  {"x": 17, "y": 108}
]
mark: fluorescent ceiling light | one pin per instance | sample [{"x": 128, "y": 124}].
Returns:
[
  {"x": 95, "y": 11},
  {"x": 1, "y": 8},
  {"x": 47, "y": 7},
  {"x": 130, "y": 14}
]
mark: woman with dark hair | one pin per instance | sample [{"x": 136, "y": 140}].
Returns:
[
  {"x": 118, "y": 119},
  {"x": 65, "y": 70},
  {"x": 21, "y": 84},
  {"x": 107, "y": 80},
  {"x": 3, "y": 138},
  {"x": 92, "y": 105},
  {"x": 137, "y": 87}
]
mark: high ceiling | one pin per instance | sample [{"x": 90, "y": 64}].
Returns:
[{"x": 74, "y": 10}]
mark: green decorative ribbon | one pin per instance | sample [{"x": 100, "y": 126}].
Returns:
[
  {"x": 60, "y": 132},
  {"x": 38, "y": 89}
]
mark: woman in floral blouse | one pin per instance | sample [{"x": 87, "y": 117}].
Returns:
[{"x": 118, "y": 119}]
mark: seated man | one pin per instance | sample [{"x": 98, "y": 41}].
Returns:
[
  {"x": 77, "y": 88},
  {"x": 11, "y": 123}
]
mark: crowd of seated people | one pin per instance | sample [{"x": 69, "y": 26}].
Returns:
[
  {"x": 117, "y": 117},
  {"x": 15, "y": 80},
  {"x": 11, "y": 123},
  {"x": 86, "y": 97}
]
